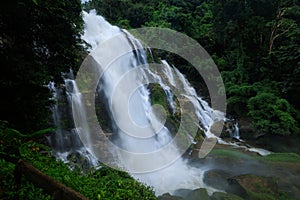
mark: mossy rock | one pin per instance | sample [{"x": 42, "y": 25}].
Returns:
[
  {"x": 248, "y": 184},
  {"x": 224, "y": 196},
  {"x": 283, "y": 157},
  {"x": 202, "y": 149},
  {"x": 217, "y": 178},
  {"x": 200, "y": 193},
  {"x": 168, "y": 196},
  {"x": 232, "y": 154},
  {"x": 182, "y": 192}
]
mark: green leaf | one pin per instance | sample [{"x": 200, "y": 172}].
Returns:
[
  {"x": 41, "y": 132},
  {"x": 35, "y": 2}
]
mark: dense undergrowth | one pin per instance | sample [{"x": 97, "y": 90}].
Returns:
[
  {"x": 103, "y": 183},
  {"x": 100, "y": 183}
]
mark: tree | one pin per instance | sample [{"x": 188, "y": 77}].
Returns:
[
  {"x": 271, "y": 114},
  {"x": 39, "y": 40},
  {"x": 282, "y": 24}
]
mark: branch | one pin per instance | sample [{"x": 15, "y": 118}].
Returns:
[{"x": 282, "y": 33}]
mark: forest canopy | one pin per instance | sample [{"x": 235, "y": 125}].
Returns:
[
  {"x": 255, "y": 45},
  {"x": 38, "y": 41}
]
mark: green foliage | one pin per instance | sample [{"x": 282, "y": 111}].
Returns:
[
  {"x": 158, "y": 96},
  {"x": 12, "y": 141},
  {"x": 102, "y": 183},
  {"x": 105, "y": 183},
  {"x": 13, "y": 144},
  {"x": 8, "y": 189},
  {"x": 38, "y": 41},
  {"x": 271, "y": 114},
  {"x": 257, "y": 51}
]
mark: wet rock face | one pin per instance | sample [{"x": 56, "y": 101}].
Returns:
[
  {"x": 200, "y": 193},
  {"x": 224, "y": 196},
  {"x": 168, "y": 196},
  {"x": 182, "y": 192},
  {"x": 186, "y": 194},
  {"x": 217, "y": 178},
  {"x": 201, "y": 149},
  {"x": 243, "y": 184},
  {"x": 246, "y": 130},
  {"x": 279, "y": 143},
  {"x": 240, "y": 186}
]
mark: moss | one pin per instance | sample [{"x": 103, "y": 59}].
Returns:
[
  {"x": 283, "y": 157},
  {"x": 224, "y": 196},
  {"x": 273, "y": 157},
  {"x": 230, "y": 153},
  {"x": 260, "y": 196},
  {"x": 267, "y": 196},
  {"x": 260, "y": 187}
]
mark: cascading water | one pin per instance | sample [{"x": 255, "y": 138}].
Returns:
[
  {"x": 65, "y": 142},
  {"x": 232, "y": 128},
  {"x": 138, "y": 127}
]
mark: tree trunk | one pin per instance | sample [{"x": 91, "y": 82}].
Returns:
[
  {"x": 50, "y": 185},
  {"x": 276, "y": 25}
]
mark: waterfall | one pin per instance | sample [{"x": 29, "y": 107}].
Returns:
[
  {"x": 146, "y": 147},
  {"x": 141, "y": 142},
  {"x": 65, "y": 142},
  {"x": 232, "y": 128}
]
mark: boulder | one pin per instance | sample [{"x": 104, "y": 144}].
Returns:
[
  {"x": 182, "y": 192},
  {"x": 198, "y": 194},
  {"x": 247, "y": 133},
  {"x": 242, "y": 184},
  {"x": 217, "y": 178},
  {"x": 168, "y": 196}
]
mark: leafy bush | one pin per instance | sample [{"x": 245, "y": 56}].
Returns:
[
  {"x": 8, "y": 188},
  {"x": 12, "y": 141},
  {"x": 271, "y": 114}
]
